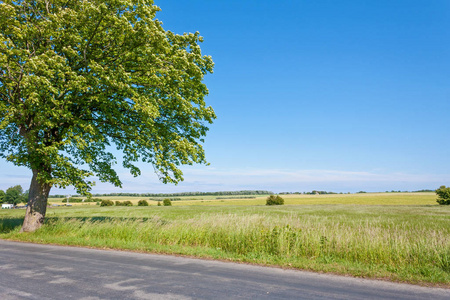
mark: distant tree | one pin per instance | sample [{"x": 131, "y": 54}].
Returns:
[
  {"x": 14, "y": 195},
  {"x": 24, "y": 197},
  {"x": 443, "y": 194},
  {"x": 2, "y": 196},
  {"x": 106, "y": 203},
  {"x": 167, "y": 202},
  {"x": 127, "y": 203},
  {"x": 143, "y": 202},
  {"x": 78, "y": 78},
  {"x": 274, "y": 200}
]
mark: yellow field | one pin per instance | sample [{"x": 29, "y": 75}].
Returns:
[{"x": 351, "y": 199}]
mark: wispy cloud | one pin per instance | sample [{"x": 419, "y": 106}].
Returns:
[
  {"x": 214, "y": 179},
  {"x": 199, "y": 178}
]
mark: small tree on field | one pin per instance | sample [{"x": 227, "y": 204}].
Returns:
[
  {"x": 106, "y": 203},
  {"x": 143, "y": 203},
  {"x": 127, "y": 203},
  {"x": 274, "y": 200},
  {"x": 167, "y": 202},
  {"x": 443, "y": 195}
]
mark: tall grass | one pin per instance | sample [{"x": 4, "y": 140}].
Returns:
[{"x": 401, "y": 243}]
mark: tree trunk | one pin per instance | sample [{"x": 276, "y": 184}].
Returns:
[{"x": 37, "y": 204}]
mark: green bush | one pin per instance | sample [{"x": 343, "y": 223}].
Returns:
[
  {"x": 143, "y": 203},
  {"x": 443, "y": 195},
  {"x": 167, "y": 202},
  {"x": 106, "y": 203},
  {"x": 159, "y": 203},
  {"x": 124, "y": 203},
  {"x": 274, "y": 200}
]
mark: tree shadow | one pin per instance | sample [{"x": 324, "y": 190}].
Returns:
[
  {"x": 10, "y": 224},
  {"x": 103, "y": 219}
]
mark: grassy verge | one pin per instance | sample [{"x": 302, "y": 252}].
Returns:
[{"x": 400, "y": 243}]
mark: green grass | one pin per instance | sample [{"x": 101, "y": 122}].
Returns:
[
  {"x": 395, "y": 242},
  {"x": 360, "y": 199}
]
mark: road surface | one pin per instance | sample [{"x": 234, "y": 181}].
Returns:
[{"x": 30, "y": 271}]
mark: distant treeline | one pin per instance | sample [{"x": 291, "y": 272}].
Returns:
[
  {"x": 222, "y": 193},
  {"x": 419, "y": 191},
  {"x": 314, "y": 192},
  {"x": 237, "y": 197},
  {"x": 171, "y": 199}
]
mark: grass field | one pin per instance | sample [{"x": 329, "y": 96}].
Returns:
[
  {"x": 360, "y": 199},
  {"x": 400, "y": 237}
]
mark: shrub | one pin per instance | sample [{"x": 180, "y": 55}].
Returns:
[
  {"x": 127, "y": 203},
  {"x": 159, "y": 203},
  {"x": 443, "y": 195},
  {"x": 118, "y": 203},
  {"x": 143, "y": 203},
  {"x": 167, "y": 202},
  {"x": 274, "y": 200},
  {"x": 106, "y": 203}
]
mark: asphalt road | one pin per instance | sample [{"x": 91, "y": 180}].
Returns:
[{"x": 30, "y": 271}]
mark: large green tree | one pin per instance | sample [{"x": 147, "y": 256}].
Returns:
[{"x": 79, "y": 78}]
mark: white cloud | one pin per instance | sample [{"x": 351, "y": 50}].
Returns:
[
  {"x": 201, "y": 178},
  {"x": 214, "y": 179}
]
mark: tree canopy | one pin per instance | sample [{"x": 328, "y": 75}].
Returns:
[
  {"x": 443, "y": 194},
  {"x": 80, "y": 78},
  {"x": 14, "y": 195}
]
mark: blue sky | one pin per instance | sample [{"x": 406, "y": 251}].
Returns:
[{"x": 326, "y": 95}]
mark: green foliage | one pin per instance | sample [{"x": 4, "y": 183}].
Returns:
[
  {"x": 2, "y": 196},
  {"x": 124, "y": 203},
  {"x": 443, "y": 194},
  {"x": 159, "y": 203},
  {"x": 274, "y": 200},
  {"x": 167, "y": 202},
  {"x": 106, "y": 203},
  {"x": 14, "y": 195},
  {"x": 143, "y": 202},
  {"x": 77, "y": 77}
]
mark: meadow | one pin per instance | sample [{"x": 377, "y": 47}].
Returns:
[
  {"x": 293, "y": 199},
  {"x": 402, "y": 237}
]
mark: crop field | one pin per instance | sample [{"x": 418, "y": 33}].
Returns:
[
  {"x": 358, "y": 199},
  {"x": 393, "y": 236}
]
